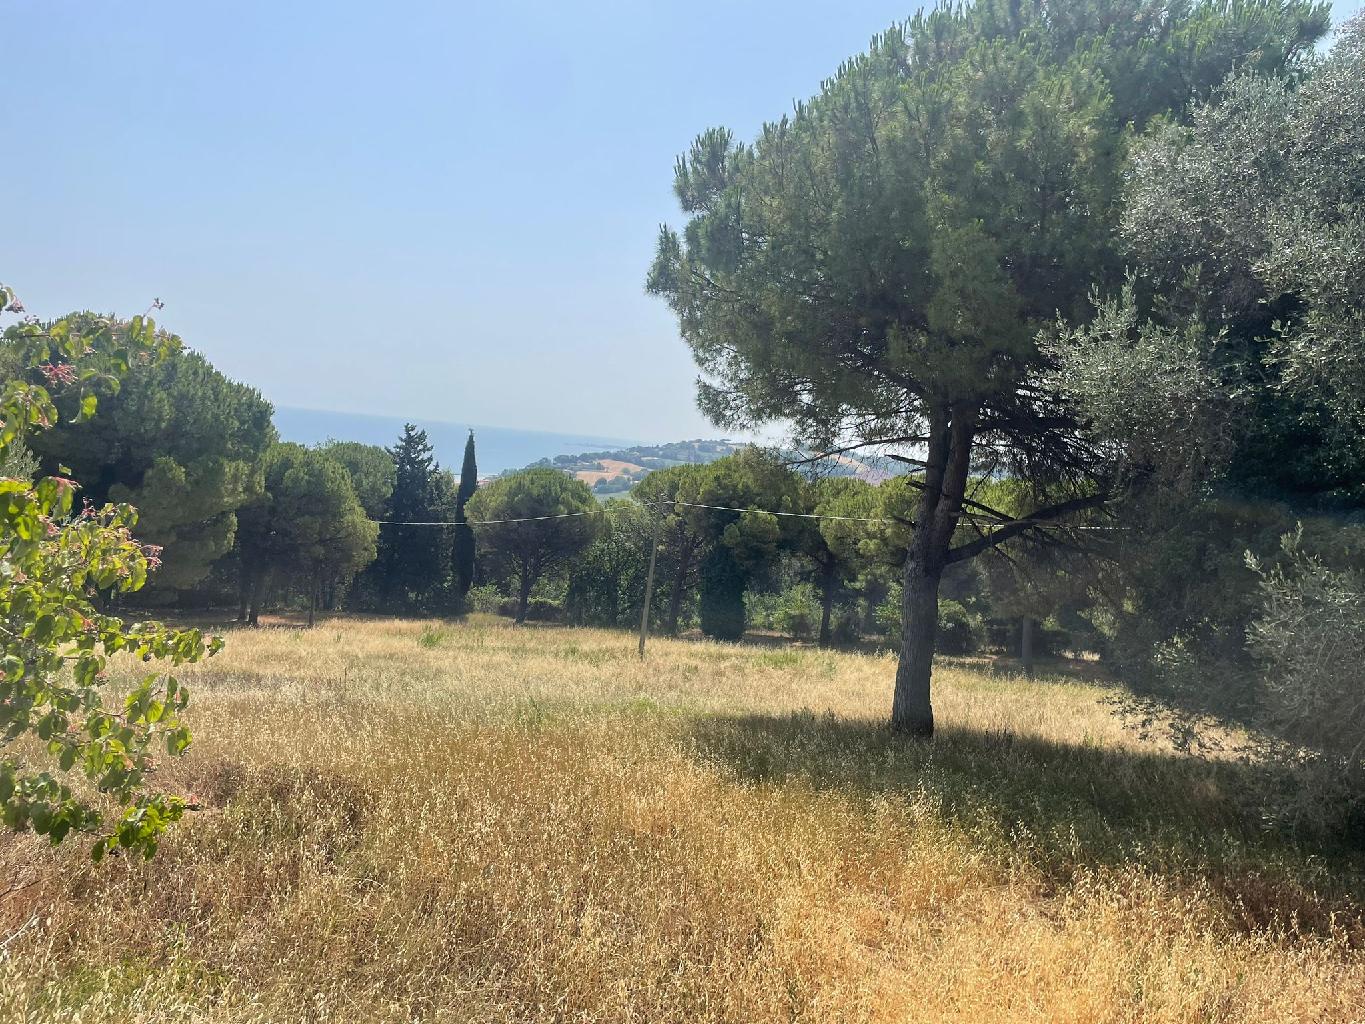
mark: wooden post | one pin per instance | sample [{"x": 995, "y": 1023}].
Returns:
[{"x": 649, "y": 581}]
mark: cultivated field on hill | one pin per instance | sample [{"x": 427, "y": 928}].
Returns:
[{"x": 427, "y": 821}]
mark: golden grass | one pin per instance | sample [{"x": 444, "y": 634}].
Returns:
[
  {"x": 611, "y": 469},
  {"x": 427, "y": 821}
]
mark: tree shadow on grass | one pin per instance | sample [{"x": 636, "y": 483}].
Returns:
[{"x": 1066, "y": 808}]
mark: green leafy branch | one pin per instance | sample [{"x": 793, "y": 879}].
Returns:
[{"x": 55, "y": 642}]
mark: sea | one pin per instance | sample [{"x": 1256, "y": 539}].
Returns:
[{"x": 498, "y": 449}]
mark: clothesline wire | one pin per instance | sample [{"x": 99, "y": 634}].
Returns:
[
  {"x": 968, "y": 516},
  {"x": 609, "y": 508}
]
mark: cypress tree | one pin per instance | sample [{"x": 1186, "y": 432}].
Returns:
[{"x": 463, "y": 554}]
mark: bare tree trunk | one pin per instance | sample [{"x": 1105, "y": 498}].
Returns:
[
  {"x": 678, "y": 588},
  {"x": 828, "y": 584},
  {"x": 1026, "y": 645},
  {"x": 523, "y": 596},
  {"x": 675, "y": 597},
  {"x": 259, "y": 583},
  {"x": 243, "y": 594}
]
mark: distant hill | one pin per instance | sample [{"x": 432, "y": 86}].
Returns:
[
  {"x": 609, "y": 465},
  {"x": 616, "y": 471},
  {"x": 499, "y": 448}
]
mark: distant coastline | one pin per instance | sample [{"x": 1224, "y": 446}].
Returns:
[{"x": 499, "y": 448}]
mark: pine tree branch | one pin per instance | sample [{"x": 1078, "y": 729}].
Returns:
[{"x": 1017, "y": 526}]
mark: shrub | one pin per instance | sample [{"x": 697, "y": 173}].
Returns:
[
  {"x": 761, "y": 610},
  {"x": 887, "y": 614},
  {"x": 431, "y": 638},
  {"x": 798, "y": 612},
  {"x": 1309, "y": 642},
  {"x": 959, "y": 630},
  {"x": 1051, "y": 639},
  {"x": 485, "y": 599},
  {"x": 538, "y": 609},
  {"x": 56, "y": 646},
  {"x": 1292, "y": 711},
  {"x": 847, "y": 628}
]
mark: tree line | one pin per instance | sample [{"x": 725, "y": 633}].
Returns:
[
  {"x": 242, "y": 517},
  {"x": 248, "y": 520}
]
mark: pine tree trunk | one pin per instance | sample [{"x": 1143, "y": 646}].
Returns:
[
  {"x": 1026, "y": 645},
  {"x": 951, "y": 430},
  {"x": 243, "y": 594},
  {"x": 912, "y": 712},
  {"x": 687, "y": 551},
  {"x": 675, "y": 598},
  {"x": 523, "y": 596},
  {"x": 259, "y": 582},
  {"x": 462, "y": 556},
  {"x": 828, "y": 583}
]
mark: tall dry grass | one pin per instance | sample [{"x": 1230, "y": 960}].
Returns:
[{"x": 423, "y": 821}]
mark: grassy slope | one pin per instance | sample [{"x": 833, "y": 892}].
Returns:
[{"x": 405, "y": 821}]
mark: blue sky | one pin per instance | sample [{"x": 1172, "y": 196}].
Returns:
[{"x": 435, "y": 210}]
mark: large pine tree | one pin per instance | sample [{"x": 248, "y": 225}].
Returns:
[
  {"x": 178, "y": 440},
  {"x": 874, "y": 269}
]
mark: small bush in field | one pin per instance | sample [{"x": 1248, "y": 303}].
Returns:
[
  {"x": 484, "y": 599},
  {"x": 798, "y": 612},
  {"x": 1309, "y": 640},
  {"x": 431, "y": 638},
  {"x": 847, "y": 626},
  {"x": 887, "y": 615},
  {"x": 538, "y": 609},
  {"x": 959, "y": 631}
]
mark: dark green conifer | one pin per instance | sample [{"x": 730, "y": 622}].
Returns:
[
  {"x": 463, "y": 556},
  {"x": 410, "y": 565}
]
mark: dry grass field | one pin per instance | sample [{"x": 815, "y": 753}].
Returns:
[
  {"x": 420, "y": 821},
  {"x": 611, "y": 468}
]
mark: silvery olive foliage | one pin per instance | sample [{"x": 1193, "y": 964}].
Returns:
[{"x": 1263, "y": 195}]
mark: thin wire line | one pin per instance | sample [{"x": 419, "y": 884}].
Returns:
[
  {"x": 795, "y": 515},
  {"x": 492, "y": 522},
  {"x": 609, "y": 508},
  {"x": 965, "y": 516},
  {"x": 972, "y": 517}
]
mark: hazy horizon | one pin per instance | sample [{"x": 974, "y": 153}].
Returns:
[
  {"x": 421, "y": 212},
  {"x": 498, "y": 448}
]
